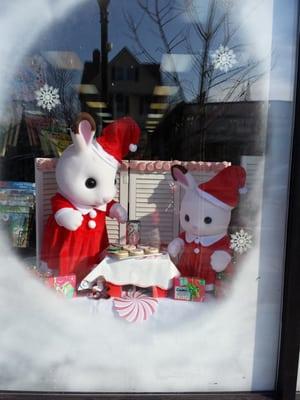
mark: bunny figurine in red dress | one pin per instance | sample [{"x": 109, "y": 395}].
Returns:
[
  {"x": 75, "y": 233},
  {"x": 204, "y": 245}
]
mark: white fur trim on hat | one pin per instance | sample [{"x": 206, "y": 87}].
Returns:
[
  {"x": 133, "y": 147},
  {"x": 104, "y": 155},
  {"x": 213, "y": 199}
]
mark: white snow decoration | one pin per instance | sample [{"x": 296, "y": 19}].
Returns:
[
  {"x": 47, "y": 97},
  {"x": 223, "y": 58},
  {"x": 135, "y": 306},
  {"x": 241, "y": 241}
]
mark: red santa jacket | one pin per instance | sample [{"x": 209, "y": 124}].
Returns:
[
  {"x": 195, "y": 259},
  {"x": 74, "y": 252}
]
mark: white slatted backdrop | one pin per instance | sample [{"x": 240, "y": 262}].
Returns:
[
  {"x": 149, "y": 194},
  {"x": 155, "y": 200},
  {"x": 155, "y": 204},
  {"x": 252, "y": 201},
  {"x": 253, "y": 166}
]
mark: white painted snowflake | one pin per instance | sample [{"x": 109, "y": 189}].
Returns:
[
  {"x": 241, "y": 241},
  {"x": 47, "y": 97},
  {"x": 223, "y": 58}
]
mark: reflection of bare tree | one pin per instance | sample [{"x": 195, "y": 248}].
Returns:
[
  {"x": 161, "y": 17},
  {"x": 199, "y": 29},
  {"x": 228, "y": 85},
  {"x": 217, "y": 26},
  {"x": 200, "y": 37},
  {"x": 63, "y": 80}
]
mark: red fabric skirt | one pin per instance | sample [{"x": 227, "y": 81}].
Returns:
[{"x": 73, "y": 252}]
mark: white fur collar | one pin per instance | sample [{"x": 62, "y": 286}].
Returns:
[
  {"x": 203, "y": 240},
  {"x": 85, "y": 209}
]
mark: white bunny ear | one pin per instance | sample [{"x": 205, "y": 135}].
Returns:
[
  {"x": 181, "y": 175},
  {"x": 84, "y": 131}
]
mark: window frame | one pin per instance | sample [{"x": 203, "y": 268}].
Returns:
[{"x": 288, "y": 355}]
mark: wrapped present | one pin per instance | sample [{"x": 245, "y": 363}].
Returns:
[
  {"x": 65, "y": 285},
  {"x": 189, "y": 289}
]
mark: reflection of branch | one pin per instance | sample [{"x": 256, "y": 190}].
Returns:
[
  {"x": 207, "y": 31},
  {"x": 134, "y": 30},
  {"x": 205, "y": 71},
  {"x": 199, "y": 29},
  {"x": 146, "y": 9},
  {"x": 219, "y": 24},
  {"x": 166, "y": 7},
  {"x": 171, "y": 19},
  {"x": 226, "y": 75},
  {"x": 161, "y": 17},
  {"x": 166, "y": 43},
  {"x": 246, "y": 78},
  {"x": 180, "y": 40},
  {"x": 63, "y": 79}
]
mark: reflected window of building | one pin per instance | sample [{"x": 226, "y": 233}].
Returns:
[
  {"x": 145, "y": 102},
  {"x": 122, "y": 104},
  {"x": 125, "y": 73}
]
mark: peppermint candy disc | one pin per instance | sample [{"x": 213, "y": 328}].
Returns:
[{"x": 135, "y": 306}]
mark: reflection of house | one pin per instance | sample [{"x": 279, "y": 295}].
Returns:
[
  {"x": 130, "y": 88},
  {"x": 222, "y": 131},
  {"x": 131, "y": 85},
  {"x": 185, "y": 131},
  {"x": 20, "y": 144}
]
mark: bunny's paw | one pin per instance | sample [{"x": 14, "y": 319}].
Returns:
[
  {"x": 175, "y": 247},
  {"x": 119, "y": 213},
  {"x": 219, "y": 260},
  {"x": 69, "y": 218}
]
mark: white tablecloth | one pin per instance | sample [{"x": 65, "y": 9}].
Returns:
[{"x": 155, "y": 270}]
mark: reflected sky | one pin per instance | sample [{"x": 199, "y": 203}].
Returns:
[{"x": 81, "y": 33}]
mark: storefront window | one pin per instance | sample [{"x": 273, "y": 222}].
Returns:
[{"x": 195, "y": 304}]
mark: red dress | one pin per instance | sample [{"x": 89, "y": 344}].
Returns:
[
  {"x": 74, "y": 252},
  {"x": 195, "y": 259}
]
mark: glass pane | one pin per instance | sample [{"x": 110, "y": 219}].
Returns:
[{"x": 209, "y": 88}]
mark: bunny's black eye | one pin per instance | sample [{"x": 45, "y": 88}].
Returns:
[
  {"x": 115, "y": 181},
  {"x": 207, "y": 220},
  {"x": 187, "y": 218},
  {"x": 90, "y": 183}
]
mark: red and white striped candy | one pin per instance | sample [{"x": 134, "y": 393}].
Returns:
[{"x": 135, "y": 306}]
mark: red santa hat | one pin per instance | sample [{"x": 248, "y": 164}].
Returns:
[
  {"x": 223, "y": 189},
  {"x": 117, "y": 139}
]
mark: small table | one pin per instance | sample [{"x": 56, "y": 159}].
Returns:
[{"x": 143, "y": 271}]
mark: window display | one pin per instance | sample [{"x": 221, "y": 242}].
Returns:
[{"x": 144, "y": 176}]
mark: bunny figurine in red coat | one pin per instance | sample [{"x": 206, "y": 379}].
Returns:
[
  {"x": 75, "y": 233},
  {"x": 204, "y": 245}
]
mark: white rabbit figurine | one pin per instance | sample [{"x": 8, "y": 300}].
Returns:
[
  {"x": 204, "y": 245},
  {"x": 75, "y": 234}
]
